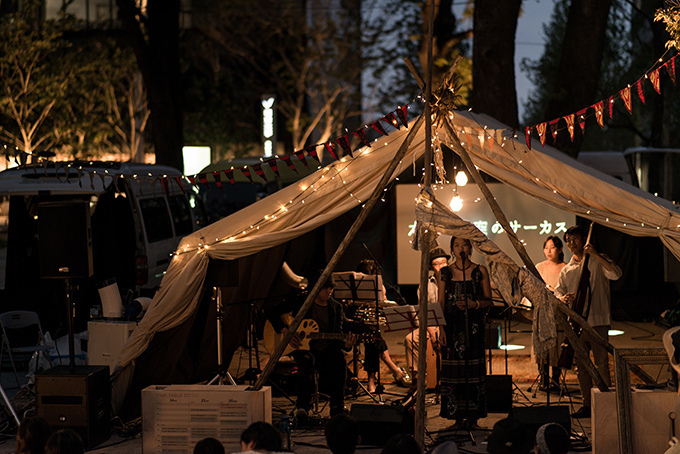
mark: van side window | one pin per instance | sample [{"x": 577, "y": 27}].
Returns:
[
  {"x": 156, "y": 219},
  {"x": 181, "y": 214}
]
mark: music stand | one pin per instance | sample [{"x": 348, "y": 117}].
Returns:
[{"x": 221, "y": 273}]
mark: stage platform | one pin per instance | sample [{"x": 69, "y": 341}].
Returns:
[{"x": 310, "y": 438}]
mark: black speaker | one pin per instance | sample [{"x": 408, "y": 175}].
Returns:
[
  {"x": 65, "y": 239},
  {"x": 379, "y": 423},
  {"x": 78, "y": 400},
  {"x": 499, "y": 393},
  {"x": 535, "y": 417}
]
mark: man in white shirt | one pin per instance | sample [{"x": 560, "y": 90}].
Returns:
[
  {"x": 597, "y": 310},
  {"x": 438, "y": 260}
]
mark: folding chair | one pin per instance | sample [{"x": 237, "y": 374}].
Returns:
[{"x": 22, "y": 334}]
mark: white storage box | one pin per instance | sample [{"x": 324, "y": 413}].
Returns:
[
  {"x": 176, "y": 417},
  {"x": 106, "y": 340}
]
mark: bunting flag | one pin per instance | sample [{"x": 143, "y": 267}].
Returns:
[
  {"x": 527, "y": 136},
  {"x": 654, "y": 79},
  {"x": 627, "y": 100},
  {"x": 164, "y": 185},
  {"x": 344, "y": 143},
  {"x": 246, "y": 172},
  {"x": 610, "y": 107},
  {"x": 570, "y": 125},
  {"x": 218, "y": 179},
  {"x": 178, "y": 179},
  {"x": 260, "y": 172},
  {"x": 203, "y": 179},
  {"x": 311, "y": 150},
  {"x": 57, "y": 166},
  {"x": 191, "y": 179},
  {"x": 581, "y": 117},
  {"x": 361, "y": 134},
  {"x": 301, "y": 156},
  {"x": 273, "y": 165},
  {"x": 330, "y": 147},
  {"x": 401, "y": 113},
  {"x": 91, "y": 180},
  {"x": 599, "y": 113},
  {"x": 102, "y": 176},
  {"x": 553, "y": 128},
  {"x": 541, "y": 132},
  {"x": 641, "y": 90},
  {"x": 289, "y": 162},
  {"x": 230, "y": 174},
  {"x": 378, "y": 127},
  {"x": 670, "y": 68},
  {"x": 391, "y": 120}
]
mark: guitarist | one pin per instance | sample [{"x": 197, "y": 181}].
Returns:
[
  {"x": 324, "y": 355},
  {"x": 597, "y": 308}
]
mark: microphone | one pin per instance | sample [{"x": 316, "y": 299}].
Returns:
[{"x": 462, "y": 255}]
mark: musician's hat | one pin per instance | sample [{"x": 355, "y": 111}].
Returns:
[{"x": 437, "y": 253}]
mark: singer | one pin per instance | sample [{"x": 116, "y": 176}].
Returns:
[{"x": 465, "y": 293}]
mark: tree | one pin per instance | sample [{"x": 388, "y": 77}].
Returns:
[{"x": 154, "y": 36}]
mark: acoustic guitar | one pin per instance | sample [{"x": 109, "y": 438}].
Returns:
[{"x": 307, "y": 331}]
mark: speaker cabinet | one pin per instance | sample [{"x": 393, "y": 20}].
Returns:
[
  {"x": 499, "y": 393},
  {"x": 65, "y": 239},
  {"x": 78, "y": 400},
  {"x": 379, "y": 423},
  {"x": 535, "y": 417}
]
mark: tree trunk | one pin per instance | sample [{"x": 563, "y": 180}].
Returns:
[
  {"x": 493, "y": 60},
  {"x": 579, "y": 72},
  {"x": 157, "y": 55}
]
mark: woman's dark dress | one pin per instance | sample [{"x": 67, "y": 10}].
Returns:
[{"x": 460, "y": 401}]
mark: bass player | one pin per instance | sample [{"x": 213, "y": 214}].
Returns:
[{"x": 597, "y": 307}]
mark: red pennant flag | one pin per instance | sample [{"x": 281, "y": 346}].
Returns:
[
  {"x": 273, "y": 166},
  {"x": 527, "y": 136},
  {"x": 378, "y": 127},
  {"x": 401, "y": 113},
  {"x": 203, "y": 179},
  {"x": 301, "y": 156},
  {"x": 641, "y": 90},
  {"x": 218, "y": 179},
  {"x": 553, "y": 128},
  {"x": 230, "y": 174},
  {"x": 541, "y": 132},
  {"x": 581, "y": 117},
  {"x": 260, "y": 172},
  {"x": 391, "y": 120},
  {"x": 670, "y": 68},
  {"x": 330, "y": 147},
  {"x": 311, "y": 150},
  {"x": 570, "y": 125},
  {"x": 655, "y": 80},
  {"x": 288, "y": 161},
  {"x": 610, "y": 107},
  {"x": 361, "y": 134},
  {"x": 627, "y": 99},
  {"x": 344, "y": 143},
  {"x": 179, "y": 182},
  {"x": 192, "y": 180},
  {"x": 599, "y": 113},
  {"x": 246, "y": 172},
  {"x": 164, "y": 183}
]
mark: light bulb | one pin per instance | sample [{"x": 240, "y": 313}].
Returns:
[
  {"x": 456, "y": 203},
  {"x": 461, "y": 178}
]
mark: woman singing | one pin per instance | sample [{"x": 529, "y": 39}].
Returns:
[{"x": 465, "y": 293}]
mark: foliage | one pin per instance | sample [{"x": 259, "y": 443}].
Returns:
[{"x": 670, "y": 16}]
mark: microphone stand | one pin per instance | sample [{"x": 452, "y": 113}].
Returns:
[{"x": 466, "y": 424}]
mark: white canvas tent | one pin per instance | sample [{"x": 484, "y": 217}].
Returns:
[{"x": 542, "y": 172}]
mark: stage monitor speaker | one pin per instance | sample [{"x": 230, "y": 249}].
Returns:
[
  {"x": 65, "y": 239},
  {"x": 535, "y": 417},
  {"x": 379, "y": 423},
  {"x": 78, "y": 400},
  {"x": 499, "y": 393}
]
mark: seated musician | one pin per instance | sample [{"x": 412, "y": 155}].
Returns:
[{"x": 324, "y": 355}]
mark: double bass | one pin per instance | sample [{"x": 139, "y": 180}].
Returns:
[{"x": 581, "y": 303}]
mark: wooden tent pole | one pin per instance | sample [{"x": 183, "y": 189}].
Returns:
[
  {"x": 351, "y": 233},
  {"x": 421, "y": 413}
]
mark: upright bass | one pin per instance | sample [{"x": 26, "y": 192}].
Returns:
[{"x": 581, "y": 306}]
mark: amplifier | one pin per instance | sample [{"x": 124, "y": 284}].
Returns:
[{"x": 79, "y": 400}]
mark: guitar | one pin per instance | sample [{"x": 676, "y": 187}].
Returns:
[
  {"x": 581, "y": 302},
  {"x": 307, "y": 331}
]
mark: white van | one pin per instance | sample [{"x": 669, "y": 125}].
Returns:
[{"x": 139, "y": 213}]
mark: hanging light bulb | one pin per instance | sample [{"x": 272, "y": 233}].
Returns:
[
  {"x": 456, "y": 203},
  {"x": 461, "y": 178}
]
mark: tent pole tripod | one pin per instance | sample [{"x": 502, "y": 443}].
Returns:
[{"x": 223, "y": 376}]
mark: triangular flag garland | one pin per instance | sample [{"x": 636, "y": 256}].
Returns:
[
  {"x": 258, "y": 170},
  {"x": 311, "y": 150},
  {"x": 230, "y": 174},
  {"x": 300, "y": 154},
  {"x": 344, "y": 143},
  {"x": 289, "y": 162},
  {"x": 653, "y": 75},
  {"x": 527, "y": 136},
  {"x": 246, "y": 172},
  {"x": 218, "y": 180}
]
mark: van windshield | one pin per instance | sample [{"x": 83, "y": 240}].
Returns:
[{"x": 156, "y": 219}]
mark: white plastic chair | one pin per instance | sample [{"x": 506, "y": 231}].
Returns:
[{"x": 22, "y": 334}]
